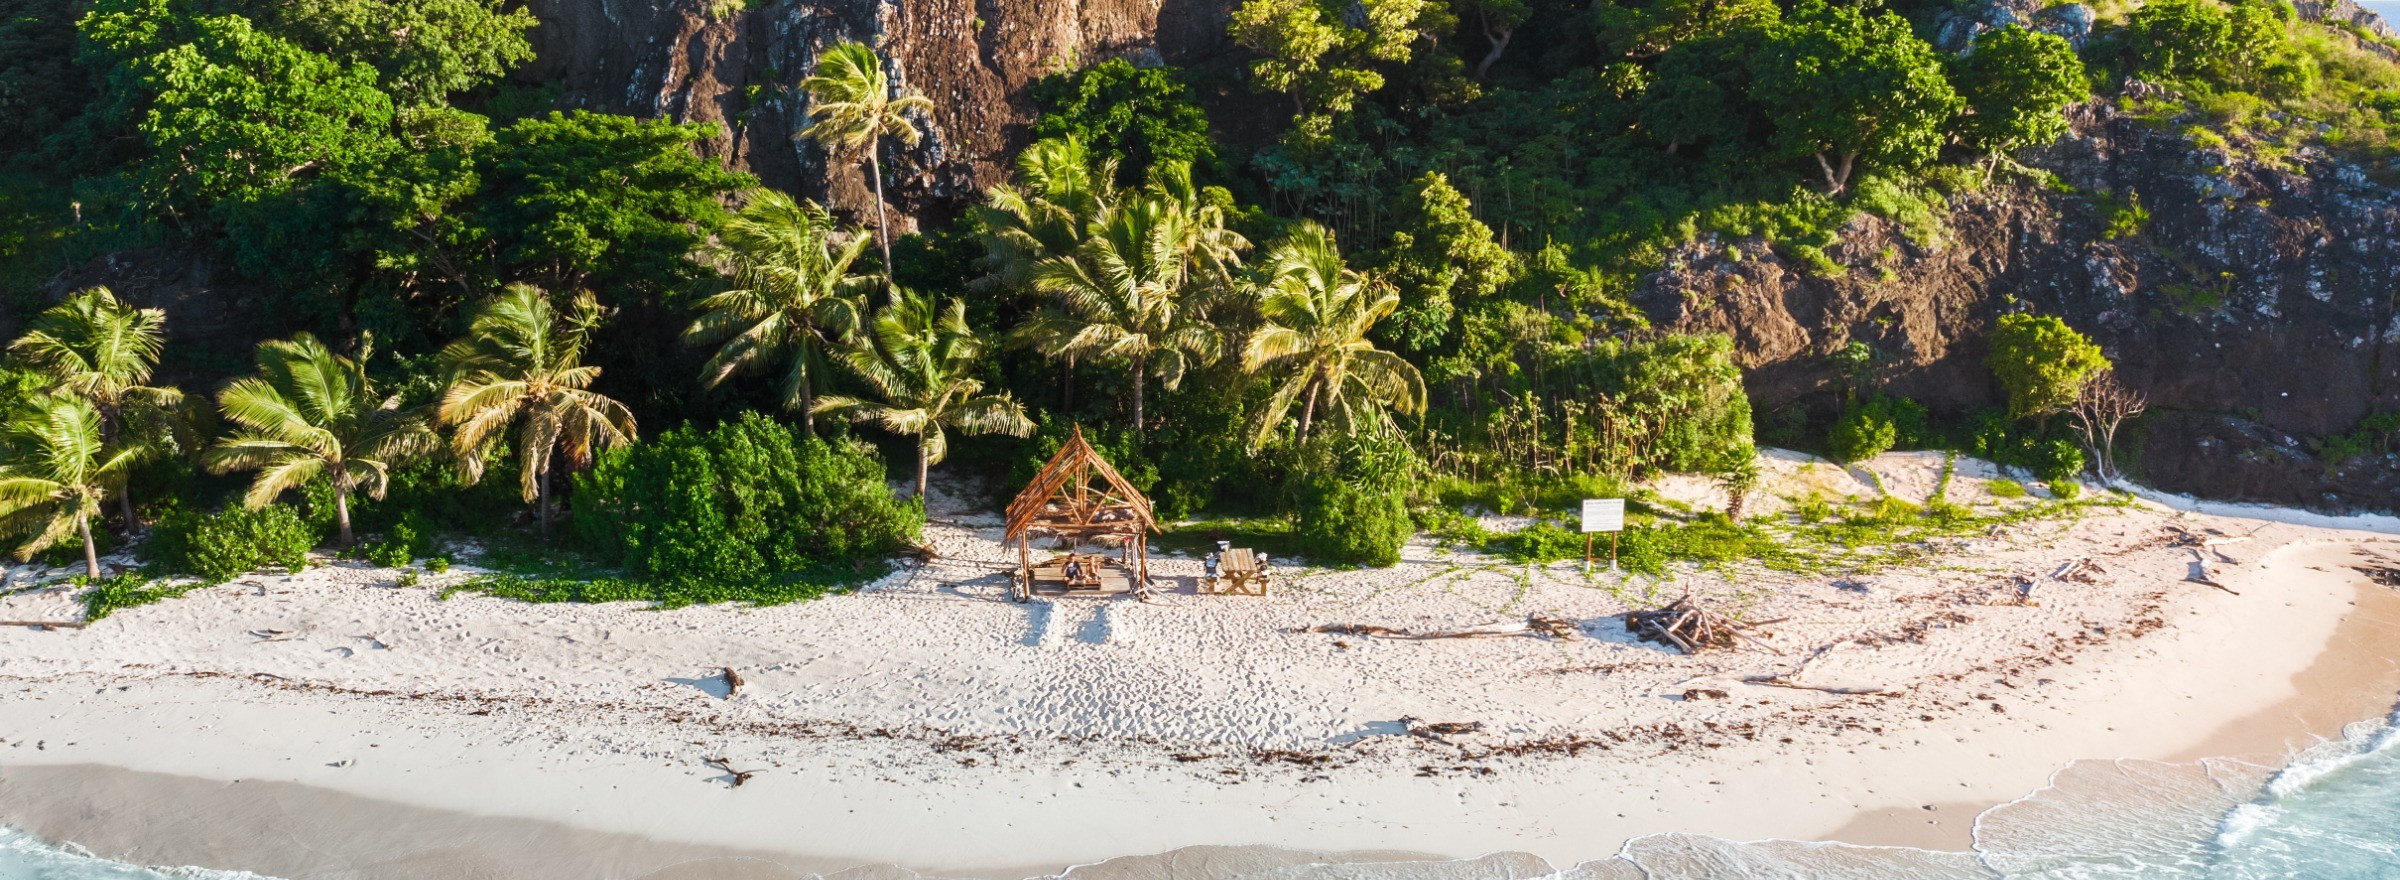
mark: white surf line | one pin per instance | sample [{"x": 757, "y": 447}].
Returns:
[{"x": 2363, "y": 522}]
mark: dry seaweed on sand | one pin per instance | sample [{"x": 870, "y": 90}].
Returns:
[{"x": 1533, "y": 625}]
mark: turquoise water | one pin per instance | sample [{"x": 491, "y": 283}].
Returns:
[{"x": 2333, "y": 815}]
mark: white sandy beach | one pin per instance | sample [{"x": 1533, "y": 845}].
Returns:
[{"x": 350, "y": 727}]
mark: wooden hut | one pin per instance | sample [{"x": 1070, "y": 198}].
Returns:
[{"x": 1080, "y": 498}]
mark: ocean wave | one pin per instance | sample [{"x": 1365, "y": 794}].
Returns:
[{"x": 25, "y": 857}]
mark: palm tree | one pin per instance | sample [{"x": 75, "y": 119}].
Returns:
[
  {"x": 55, "y": 469},
  {"x": 1129, "y": 292},
  {"x": 853, "y": 106},
  {"x": 521, "y": 365},
  {"x": 793, "y": 298},
  {"x": 310, "y": 414},
  {"x": 1214, "y": 250},
  {"x": 922, "y": 363},
  {"x": 1059, "y": 196},
  {"x": 94, "y": 347},
  {"x": 1318, "y": 313}
]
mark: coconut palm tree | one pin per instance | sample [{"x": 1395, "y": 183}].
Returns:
[
  {"x": 54, "y": 468},
  {"x": 793, "y": 297},
  {"x": 922, "y": 362},
  {"x": 1129, "y": 292},
  {"x": 94, "y": 347},
  {"x": 308, "y": 415},
  {"x": 1318, "y": 313},
  {"x": 853, "y": 106},
  {"x": 1059, "y": 195},
  {"x": 521, "y": 366},
  {"x": 1215, "y": 251}
]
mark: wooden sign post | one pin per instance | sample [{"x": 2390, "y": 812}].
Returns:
[{"x": 1602, "y": 515}]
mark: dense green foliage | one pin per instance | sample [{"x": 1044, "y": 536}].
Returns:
[
  {"x": 2042, "y": 362},
  {"x": 1349, "y": 497},
  {"x": 740, "y": 511},
  {"x": 1139, "y": 116},
  {"x": 221, "y": 546}
]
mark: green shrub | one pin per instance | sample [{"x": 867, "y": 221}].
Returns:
[
  {"x": 438, "y": 564},
  {"x": 1545, "y": 541},
  {"x": 1860, "y": 434},
  {"x": 2057, "y": 460},
  {"x": 2004, "y": 489},
  {"x": 127, "y": 590},
  {"x": 221, "y": 546},
  {"x": 1349, "y": 497},
  {"x": 401, "y": 544},
  {"x": 724, "y": 515}
]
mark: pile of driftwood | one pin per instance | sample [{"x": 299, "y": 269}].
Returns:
[
  {"x": 1692, "y": 626},
  {"x": 1533, "y": 625}
]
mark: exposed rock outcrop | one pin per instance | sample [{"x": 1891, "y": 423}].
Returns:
[
  {"x": 742, "y": 69},
  {"x": 2255, "y": 304}
]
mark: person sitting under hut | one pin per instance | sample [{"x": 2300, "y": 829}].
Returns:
[{"x": 1079, "y": 574}]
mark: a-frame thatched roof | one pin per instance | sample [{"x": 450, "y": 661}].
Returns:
[{"x": 1063, "y": 499}]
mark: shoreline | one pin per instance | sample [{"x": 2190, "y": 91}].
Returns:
[{"x": 884, "y": 742}]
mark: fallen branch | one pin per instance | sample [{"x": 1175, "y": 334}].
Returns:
[
  {"x": 1440, "y": 731},
  {"x": 1691, "y": 626},
  {"x": 1533, "y": 625},
  {"x": 1776, "y": 681},
  {"x": 44, "y": 624},
  {"x": 739, "y": 776},
  {"x": 733, "y": 682}
]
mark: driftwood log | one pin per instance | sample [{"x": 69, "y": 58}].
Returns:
[
  {"x": 44, "y": 624},
  {"x": 1439, "y": 731},
  {"x": 1533, "y": 625},
  {"x": 739, "y": 776},
  {"x": 733, "y": 682},
  {"x": 1691, "y": 626}
]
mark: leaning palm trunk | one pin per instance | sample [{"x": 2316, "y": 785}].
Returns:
[
  {"x": 91, "y": 555},
  {"x": 883, "y": 223},
  {"x": 1138, "y": 374}
]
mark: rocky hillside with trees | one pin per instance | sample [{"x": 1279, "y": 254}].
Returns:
[{"x": 578, "y": 271}]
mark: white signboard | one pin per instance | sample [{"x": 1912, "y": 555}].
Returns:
[{"x": 1604, "y": 514}]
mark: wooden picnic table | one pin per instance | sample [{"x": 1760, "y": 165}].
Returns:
[{"x": 1243, "y": 577}]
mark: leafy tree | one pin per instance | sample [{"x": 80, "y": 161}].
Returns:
[
  {"x": 520, "y": 367},
  {"x": 312, "y": 415},
  {"x": 853, "y": 106},
  {"x": 1845, "y": 85},
  {"x": 577, "y": 197},
  {"x": 1648, "y": 29},
  {"x": 41, "y": 89},
  {"x": 100, "y": 350},
  {"x": 1499, "y": 20},
  {"x": 2042, "y": 362},
  {"x": 922, "y": 362},
  {"x": 1128, "y": 293},
  {"x": 737, "y": 510},
  {"x": 424, "y": 50},
  {"x": 230, "y": 112},
  {"x": 1136, "y": 116},
  {"x": 2016, "y": 83},
  {"x": 54, "y": 469},
  {"x": 2199, "y": 39},
  {"x": 793, "y": 296},
  {"x": 1439, "y": 253},
  {"x": 1321, "y": 53},
  {"x": 1318, "y": 314}
]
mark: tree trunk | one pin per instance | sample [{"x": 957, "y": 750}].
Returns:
[
  {"x": 808, "y": 402},
  {"x": 1499, "y": 37},
  {"x": 125, "y": 506},
  {"x": 1308, "y": 411},
  {"x": 541, "y": 502},
  {"x": 924, "y": 462},
  {"x": 341, "y": 512},
  {"x": 1138, "y": 364},
  {"x": 91, "y": 554},
  {"x": 883, "y": 226},
  {"x": 1066, "y": 390}
]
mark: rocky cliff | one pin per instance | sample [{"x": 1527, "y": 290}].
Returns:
[
  {"x": 2254, "y": 304},
  {"x": 740, "y": 64}
]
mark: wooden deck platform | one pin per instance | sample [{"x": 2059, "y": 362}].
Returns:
[{"x": 1050, "y": 577}]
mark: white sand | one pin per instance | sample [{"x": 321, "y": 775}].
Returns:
[{"x": 926, "y": 722}]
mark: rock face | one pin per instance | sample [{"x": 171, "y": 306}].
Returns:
[
  {"x": 740, "y": 64},
  {"x": 2255, "y": 304}
]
